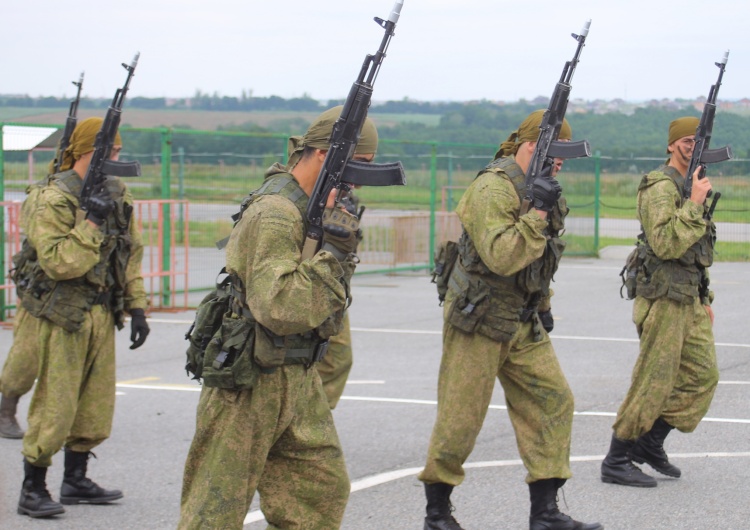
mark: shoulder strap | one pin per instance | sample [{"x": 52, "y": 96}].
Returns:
[{"x": 508, "y": 166}]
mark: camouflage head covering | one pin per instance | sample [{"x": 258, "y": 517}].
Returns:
[
  {"x": 82, "y": 142},
  {"x": 682, "y": 127},
  {"x": 318, "y": 136},
  {"x": 528, "y": 131}
]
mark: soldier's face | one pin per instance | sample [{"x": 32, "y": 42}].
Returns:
[
  {"x": 114, "y": 153},
  {"x": 683, "y": 148}
]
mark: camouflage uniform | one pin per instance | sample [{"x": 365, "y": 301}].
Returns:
[
  {"x": 676, "y": 373},
  {"x": 276, "y": 432},
  {"x": 335, "y": 367},
  {"x": 73, "y": 402},
  {"x": 19, "y": 370},
  {"x": 519, "y": 354}
]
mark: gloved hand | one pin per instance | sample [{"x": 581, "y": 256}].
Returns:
[
  {"x": 546, "y": 191},
  {"x": 340, "y": 232},
  {"x": 138, "y": 328},
  {"x": 99, "y": 207},
  {"x": 548, "y": 322}
]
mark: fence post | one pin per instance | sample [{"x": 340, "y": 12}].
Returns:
[
  {"x": 433, "y": 204},
  {"x": 166, "y": 194},
  {"x": 2, "y": 225},
  {"x": 597, "y": 197}
]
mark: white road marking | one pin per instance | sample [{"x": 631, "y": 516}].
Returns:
[
  {"x": 390, "y": 476},
  {"x": 436, "y": 332}
]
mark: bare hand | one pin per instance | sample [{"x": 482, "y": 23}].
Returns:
[{"x": 701, "y": 187}]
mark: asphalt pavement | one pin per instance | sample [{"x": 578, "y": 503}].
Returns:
[{"x": 385, "y": 419}]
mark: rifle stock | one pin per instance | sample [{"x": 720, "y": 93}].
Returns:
[
  {"x": 100, "y": 164},
  {"x": 339, "y": 171}
]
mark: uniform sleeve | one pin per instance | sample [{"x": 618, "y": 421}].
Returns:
[
  {"x": 67, "y": 245},
  {"x": 670, "y": 230},
  {"x": 489, "y": 213},
  {"x": 135, "y": 293},
  {"x": 284, "y": 293}
]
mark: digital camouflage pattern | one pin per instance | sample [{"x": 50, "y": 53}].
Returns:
[
  {"x": 279, "y": 436},
  {"x": 676, "y": 373},
  {"x": 73, "y": 402},
  {"x": 19, "y": 370},
  {"x": 540, "y": 403},
  {"x": 335, "y": 367}
]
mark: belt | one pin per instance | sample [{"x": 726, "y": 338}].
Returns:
[{"x": 102, "y": 298}]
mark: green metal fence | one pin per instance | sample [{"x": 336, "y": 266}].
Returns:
[{"x": 214, "y": 170}]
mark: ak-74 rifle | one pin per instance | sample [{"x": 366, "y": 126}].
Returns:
[
  {"x": 70, "y": 125},
  {"x": 702, "y": 155},
  {"x": 101, "y": 165},
  {"x": 339, "y": 171},
  {"x": 548, "y": 147}
]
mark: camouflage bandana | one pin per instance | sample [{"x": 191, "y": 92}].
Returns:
[
  {"x": 82, "y": 142},
  {"x": 528, "y": 131},
  {"x": 318, "y": 136},
  {"x": 682, "y": 127}
]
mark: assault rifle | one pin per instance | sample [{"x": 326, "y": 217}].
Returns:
[
  {"x": 702, "y": 155},
  {"x": 101, "y": 165},
  {"x": 339, "y": 171},
  {"x": 70, "y": 124},
  {"x": 547, "y": 145}
]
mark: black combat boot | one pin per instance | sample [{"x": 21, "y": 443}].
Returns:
[
  {"x": 8, "y": 425},
  {"x": 545, "y": 514},
  {"x": 35, "y": 500},
  {"x": 439, "y": 508},
  {"x": 617, "y": 467},
  {"x": 649, "y": 449},
  {"x": 77, "y": 488}
]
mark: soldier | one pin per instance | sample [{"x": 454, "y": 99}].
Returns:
[
  {"x": 19, "y": 370},
  {"x": 263, "y": 420},
  {"x": 497, "y": 316},
  {"x": 83, "y": 275},
  {"x": 675, "y": 376}
]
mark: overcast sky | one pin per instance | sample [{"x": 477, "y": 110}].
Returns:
[{"x": 443, "y": 50}]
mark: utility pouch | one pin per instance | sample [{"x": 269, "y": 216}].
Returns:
[
  {"x": 469, "y": 305},
  {"x": 269, "y": 351},
  {"x": 228, "y": 357},
  {"x": 65, "y": 305},
  {"x": 207, "y": 323},
  {"x": 445, "y": 258},
  {"x": 629, "y": 273}
]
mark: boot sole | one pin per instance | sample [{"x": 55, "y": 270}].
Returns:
[
  {"x": 609, "y": 480},
  {"x": 644, "y": 461},
  {"x": 85, "y": 500},
  {"x": 48, "y": 513}
]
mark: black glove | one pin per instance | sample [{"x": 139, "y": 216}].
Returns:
[
  {"x": 100, "y": 205},
  {"x": 546, "y": 192},
  {"x": 548, "y": 323},
  {"x": 340, "y": 233},
  {"x": 138, "y": 328}
]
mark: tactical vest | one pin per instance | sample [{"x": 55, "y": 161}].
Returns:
[
  {"x": 66, "y": 302},
  {"x": 494, "y": 305},
  {"x": 237, "y": 341},
  {"x": 679, "y": 279}
]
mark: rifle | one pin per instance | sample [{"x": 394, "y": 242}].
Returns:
[
  {"x": 547, "y": 145},
  {"x": 101, "y": 165},
  {"x": 70, "y": 124},
  {"x": 702, "y": 155},
  {"x": 339, "y": 171}
]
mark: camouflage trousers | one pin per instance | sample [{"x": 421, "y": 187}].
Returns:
[
  {"x": 676, "y": 373},
  {"x": 19, "y": 370},
  {"x": 74, "y": 398},
  {"x": 277, "y": 438},
  {"x": 335, "y": 367},
  {"x": 539, "y": 400}
]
